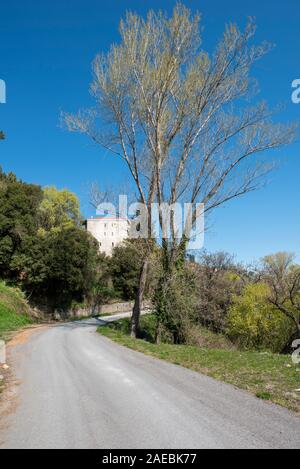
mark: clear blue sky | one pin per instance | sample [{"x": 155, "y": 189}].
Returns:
[{"x": 46, "y": 50}]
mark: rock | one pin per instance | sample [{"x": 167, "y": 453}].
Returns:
[
  {"x": 297, "y": 390},
  {"x": 1, "y": 377},
  {"x": 5, "y": 367}
]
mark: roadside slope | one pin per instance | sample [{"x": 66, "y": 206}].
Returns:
[{"x": 15, "y": 312}]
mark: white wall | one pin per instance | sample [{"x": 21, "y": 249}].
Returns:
[{"x": 109, "y": 232}]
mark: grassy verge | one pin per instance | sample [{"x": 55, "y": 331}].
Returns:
[
  {"x": 269, "y": 376},
  {"x": 14, "y": 310}
]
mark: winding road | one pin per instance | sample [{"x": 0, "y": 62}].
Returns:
[{"x": 77, "y": 389}]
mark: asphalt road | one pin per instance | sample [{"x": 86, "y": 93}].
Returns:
[{"x": 80, "y": 390}]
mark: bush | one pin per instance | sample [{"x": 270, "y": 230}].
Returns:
[
  {"x": 19, "y": 203},
  {"x": 253, "y": 323},
  {"x": 204, "y": 338},
  {"x": 125, "y": 266},
  {"x": 59, "y": 267},
  {"x": 14, "y": 310},
  {"x": 219, "y": 278},
  {"x": 175, "y": 302}
]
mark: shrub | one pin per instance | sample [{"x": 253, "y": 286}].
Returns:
[
  {"x": 205, "y": 338},
  {"x": 14, "y": 310},
  {"x": 255, "y": 324},
  {"x": 219, "y": 278},
  {"x": 58, "y": 268},
  {"x": 175, "y": 302}
]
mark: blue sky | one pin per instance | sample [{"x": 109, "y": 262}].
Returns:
[{"x": 46, "y": 50}]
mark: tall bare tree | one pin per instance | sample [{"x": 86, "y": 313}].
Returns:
[
  {"x": 283, "y": 277},
  {"x": 180, "y": 118}
]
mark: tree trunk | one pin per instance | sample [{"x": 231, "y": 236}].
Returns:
[
  {"x": 136, "y": 312},
  {"x": 158, "y": 333}
]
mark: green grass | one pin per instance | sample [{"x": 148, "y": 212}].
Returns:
[
  {"x": 267, "y": 375},
  {"x": 14, "y": 310}
]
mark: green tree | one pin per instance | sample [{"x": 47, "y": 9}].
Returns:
[
  {"x": 125, "y": 266},
  {"x": 43, "y": 246},
  {"x": 254, "y": 323},
  {"x": 59, "y": 267},
  {"x": 19, "y": 204},
  {"x": 58, "y": 209},
  {"x": 102, "y": 289}
]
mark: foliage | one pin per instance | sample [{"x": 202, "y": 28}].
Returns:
[
  {"x": 218, "y": 278},
  {"x": 254, "y": 323},
  {"x": 42, "y": 244},
  {"x": 197, "y": 335},
  {"x": 14, "y": 309},
  {"x": 59, "y": 209},
  {"x": 283, "y": 278},
  {"x": 101, "y": 288},
  {"x": 206, "y": 338},
  {"x": 19, "y": 203},
  {"x": 59, "y": 267},
  {"x": 125, "y": 266},
  {"x": 175, "y": 303}
]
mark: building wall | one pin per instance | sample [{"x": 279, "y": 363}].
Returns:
[{"x": 109, "y": 232}]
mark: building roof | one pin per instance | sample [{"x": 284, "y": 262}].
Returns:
[{"x": 106, "y": 217}]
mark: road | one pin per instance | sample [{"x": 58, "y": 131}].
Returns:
[{"x": 80, "y": 390}]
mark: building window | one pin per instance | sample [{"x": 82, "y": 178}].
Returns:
[{"x": 113, "y": 244}]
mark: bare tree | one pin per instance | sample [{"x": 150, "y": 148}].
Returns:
[
  {"x": 219, "y": 277},
  {"x": 180, "y": 118},
  {"x": 283, "y": 278},
  {"x": 99, "y": 194}
]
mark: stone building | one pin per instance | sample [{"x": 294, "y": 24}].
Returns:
[{"x": 109, "y": 231}]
